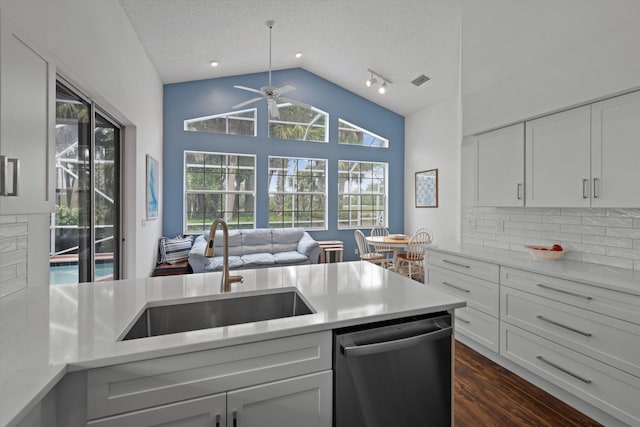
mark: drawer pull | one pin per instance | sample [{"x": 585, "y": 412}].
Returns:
[
  {"x": 560, "y": 368},
  {"x": 455, "y": 263},
  {"x": 569, "y": 328},
  {"x": 562, "y": 291},
  {"x": 456, "y": 287},
  {"x": 463, "y": 320}
]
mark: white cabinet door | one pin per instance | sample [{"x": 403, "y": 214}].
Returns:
[
  {"x": 295, "y": 402},
  {"x": 500, "y": 167},
  {"x": 27, "y": 123},
  {"x": 615, "y": 152},
  {"x": 468, "y": 174},
  {"x": 203, "y": 412},
  {"x": 558, "y": 161}
]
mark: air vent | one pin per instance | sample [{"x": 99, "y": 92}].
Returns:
[{"x": 420, "y": 80}]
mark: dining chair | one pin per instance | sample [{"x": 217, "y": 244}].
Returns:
[
  {"x": 365, "y": 251},
  {"x": 380, "y": 231},
  {"x": 411, "y": 261}
]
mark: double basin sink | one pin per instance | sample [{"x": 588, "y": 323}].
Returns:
[{"x": 191, "y": 316}]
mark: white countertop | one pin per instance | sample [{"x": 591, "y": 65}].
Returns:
[
  {"x": 45, "y": 333},
  {"x": 613, "y": 278}
]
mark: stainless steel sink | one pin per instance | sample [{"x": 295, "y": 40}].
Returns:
[{"x": 182, "y": 317}]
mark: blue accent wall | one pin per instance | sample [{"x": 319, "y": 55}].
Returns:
[{"x": 200, "y": 98}]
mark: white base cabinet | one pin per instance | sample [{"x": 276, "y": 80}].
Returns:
[
  {"x": 280, "y": 382},
  {"x": 577, "y": 339}
]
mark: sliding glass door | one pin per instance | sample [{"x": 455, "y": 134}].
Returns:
[{"x": 85, "y": 227}]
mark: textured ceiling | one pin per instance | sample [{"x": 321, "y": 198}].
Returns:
[{"x": 339, "y": 39}]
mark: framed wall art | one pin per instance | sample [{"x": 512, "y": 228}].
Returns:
[
  {"x": 152, "y": 187},
  {"x": 427, "y": 189}
]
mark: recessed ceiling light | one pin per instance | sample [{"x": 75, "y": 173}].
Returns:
[
  {"x": 298, "y": 54},
  {"x": 214, "y": 63}
]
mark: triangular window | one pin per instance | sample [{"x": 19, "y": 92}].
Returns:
[
  {"x": 348, "y": 133},
  {"x": 300, "y": 123}
]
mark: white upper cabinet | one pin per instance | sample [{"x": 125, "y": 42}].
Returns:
[
  {"x": 27, "y": 124},
  {"x": 615, "y": 152},
  {"x": 557, "y": 159},
  {"x": 500, "y": 167}
]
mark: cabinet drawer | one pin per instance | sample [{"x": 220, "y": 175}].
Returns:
[
  {"x": 479, "y": 269},
  {"x": 479, "y": 294},
  {"x": 206, "y": 411},
  {"x": 478, "y": 326},
  {"x": 605, "y": 301},
  {"x": 604, "y": 387},
  {"x": 604, "y": 338},
  {"x": 132, "y": 386}
]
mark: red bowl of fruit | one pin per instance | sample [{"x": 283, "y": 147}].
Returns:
[{"x": 545, "y": 253}]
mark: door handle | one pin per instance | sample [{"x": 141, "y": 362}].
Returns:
[
  {"x": 399, "y": 344},
  {"x": 4, "y": 175}
]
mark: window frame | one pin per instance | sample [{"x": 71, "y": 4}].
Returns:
[
  {"x": 226, "y": 115},
  {"x": 308, "y": 125},
  {"x": 363, "y": 130},
  {"x": 186, "y": 192},
  {"x": 325, "y": 193},
  {"x": 349, "y": 194}
]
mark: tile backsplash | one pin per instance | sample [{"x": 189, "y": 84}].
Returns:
[
  {"x": 14, "y": 231},
  {"x": 600, "y": 236}
]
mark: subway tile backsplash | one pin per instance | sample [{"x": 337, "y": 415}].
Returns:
[
  {"x": 600, "y": 236},
  {"x": 13, "y": 253}
]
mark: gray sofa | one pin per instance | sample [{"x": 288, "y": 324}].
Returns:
[{"x": 256, "y": 248}]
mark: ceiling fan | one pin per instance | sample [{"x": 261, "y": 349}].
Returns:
[{"x": 273, "y": 95}]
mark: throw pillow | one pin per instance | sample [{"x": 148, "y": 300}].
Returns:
[{"x": 175, "y": 250}]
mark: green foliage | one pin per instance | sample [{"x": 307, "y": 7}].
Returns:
[{"x": 66, "y": 215}]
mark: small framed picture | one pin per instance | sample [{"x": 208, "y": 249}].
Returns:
[
  {"x": 152, "y": 187},
  {"x": 427, "y": 189}
]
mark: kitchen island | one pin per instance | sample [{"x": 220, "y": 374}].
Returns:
[{"x": 75, "y": 328}]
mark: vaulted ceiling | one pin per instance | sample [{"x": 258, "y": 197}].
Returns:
[{"x": 338, "y": 39}]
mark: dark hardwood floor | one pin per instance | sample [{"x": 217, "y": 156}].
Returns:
[{"x": 486, "y": 394}]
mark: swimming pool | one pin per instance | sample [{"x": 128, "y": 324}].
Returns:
[{"x": 67, "y": 273}]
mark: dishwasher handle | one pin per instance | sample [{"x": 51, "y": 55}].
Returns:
[{"x": 398, "y": 344}]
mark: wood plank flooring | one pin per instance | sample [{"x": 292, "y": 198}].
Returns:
[{"x": 486, "y": 394}]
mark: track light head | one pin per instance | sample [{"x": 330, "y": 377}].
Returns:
[
  {"x": 371, "y": 81},
  {"x": 383, "y": 88}
]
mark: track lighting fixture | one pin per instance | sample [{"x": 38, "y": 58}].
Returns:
[{"x": 371, "y": 81}]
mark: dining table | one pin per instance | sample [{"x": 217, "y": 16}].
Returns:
[{"x": 396, "y": 242}]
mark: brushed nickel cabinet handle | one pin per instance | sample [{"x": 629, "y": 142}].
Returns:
[
  {"x": 568, "y": 328},
  {"x": 595, "y": 188},
  {"x": 562, "y": 291},
  {"x": 585, "y": 188},
  {"x": 4, "y": 177},
  {"x": 518, "y": 188},
  {"x": 455, "y": 287},
  {"x": 455, "y": 263},
  {"x": 566, "y": 371},
  {"x": 463, "y": 320}
]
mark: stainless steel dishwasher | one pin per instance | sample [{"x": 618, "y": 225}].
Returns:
[{"x": 395, "y": 373}]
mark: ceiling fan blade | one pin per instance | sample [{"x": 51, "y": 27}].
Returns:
[
  {"x": 284, "y": 89},
  {"x": 294, "y": 102},
  {"x": 250, "y": 89},
  {"x": 242, "y": 104},
  {"x": 274, "y": 113}
]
